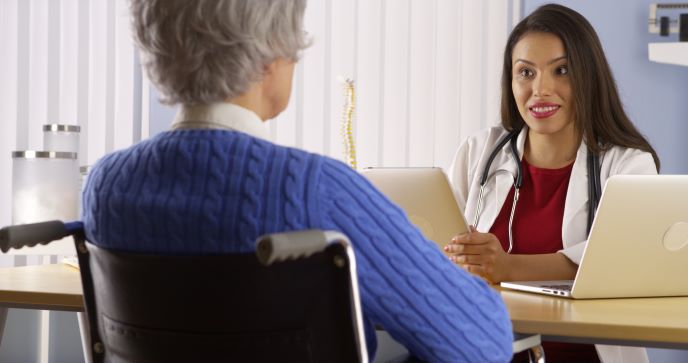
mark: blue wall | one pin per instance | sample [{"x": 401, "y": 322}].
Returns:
[{"x": 655, "y": 95}]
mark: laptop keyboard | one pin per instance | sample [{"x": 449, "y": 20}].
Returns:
[{"x": 557, "y": 287}]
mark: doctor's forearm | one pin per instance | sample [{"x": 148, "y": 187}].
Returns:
[{"x": 550, "y": 266}]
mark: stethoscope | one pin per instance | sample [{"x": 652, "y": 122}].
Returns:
[{"x": 594, "y": 188}]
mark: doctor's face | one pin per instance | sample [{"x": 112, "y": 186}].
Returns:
[{"x": 541, "y": 85}]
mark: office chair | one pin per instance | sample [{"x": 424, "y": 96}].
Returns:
[{"x": 294, "y": 300}]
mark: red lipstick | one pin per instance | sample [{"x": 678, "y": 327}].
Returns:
[{"x": 543, "y": 109}]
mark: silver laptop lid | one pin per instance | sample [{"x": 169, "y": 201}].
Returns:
[
  {"x": 638, "y": 243},
  {"x": 426, "y": 197}
]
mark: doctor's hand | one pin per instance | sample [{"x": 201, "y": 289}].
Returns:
[{"x": 480, "y": 254}]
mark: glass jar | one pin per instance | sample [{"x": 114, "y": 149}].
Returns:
[
  {"x": 61, "y": 138},
  {"x": 45, "y": 186}
]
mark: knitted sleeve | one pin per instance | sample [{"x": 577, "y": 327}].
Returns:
[{"x": 408, "y": 287}]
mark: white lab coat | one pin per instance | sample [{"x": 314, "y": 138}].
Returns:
[{"x": 467, "y": 169}]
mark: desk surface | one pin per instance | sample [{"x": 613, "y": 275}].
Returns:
[
  {"x": 658, "y": 322},
  {"x": 45, "y": 287}
]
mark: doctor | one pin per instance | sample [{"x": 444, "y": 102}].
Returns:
[{"x": 563, "y": 133}]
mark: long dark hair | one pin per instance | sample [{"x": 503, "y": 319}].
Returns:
[{"x": 598, "y": 111}]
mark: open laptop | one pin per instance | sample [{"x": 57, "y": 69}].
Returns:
[
  {"x": 426, "y": 197},
  {"x": 638, "y": 245}
]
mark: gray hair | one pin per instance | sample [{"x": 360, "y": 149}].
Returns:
[{"x": 205, "y": 51}]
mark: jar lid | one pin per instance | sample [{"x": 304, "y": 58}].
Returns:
[
  {"x": 31, "y": 154},
  {"x": 62, "y": 128}
]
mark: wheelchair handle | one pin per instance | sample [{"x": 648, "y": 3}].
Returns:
[{"x": 29, "y": 235}]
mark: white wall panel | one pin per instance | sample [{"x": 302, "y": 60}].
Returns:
[
  {"x": 53, "y": 63},
  {"x": 421, "y": 83},
  {"x": 22, "y": 88},
  {"x": 8, "y": 101},
  {"x": 498, "y": 17},
  {"x": 367, "y": 82},
  {"x": 122, "y": 62},
  {"x": 36, "y": 100},
  {"x": 110, "y": 42},
  {"x": 67, "y": 95},
  {"x": 97, "y": 80},
  {"x": 472, "y": 65},
  {"x": 395, "y": 81},
  {"x": 313, "y": 60},
  {"x": 83, "y": 76},
  {"x": 447, "y": 86}
]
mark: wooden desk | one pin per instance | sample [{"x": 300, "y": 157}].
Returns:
[
  {"x": 650, "y": 322},
  {"x": 44, "y": 287},
  {"x": 645, "y": 322}
]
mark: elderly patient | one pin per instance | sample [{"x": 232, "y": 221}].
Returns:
[{"x": 214, "y": 182}]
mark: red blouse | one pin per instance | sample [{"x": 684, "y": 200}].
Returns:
[
  {"x": 537, "y": 229},
  {"x": 539, "y": 212}
]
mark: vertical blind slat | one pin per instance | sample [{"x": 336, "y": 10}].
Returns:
[
  {"x": 97, "y": 79},
  {"x": 123, "y": 76},
  {"x": 470, "y": 119},
  {"x": 9, "y": 89},
  {"x": 421, "y": 91},
  {"x": 110, "y": 67},
  {"x": 69, "y": 60},
  {"x": 484, "y": 36},
  {"x": 53, "y": 65},
  {"x": 369, "y": 62},
  {"x": 395, "y": 83},
  {"x": 381, "y": 97},
  {"x": 36, "y": 99},
  {"x": 447, "y": 87},
  {"x": 327, "y": 79},
  {"x": 313, "y": 61},
  {"x": 83, "y": 74},
  {"x": 498, "y": 29}
]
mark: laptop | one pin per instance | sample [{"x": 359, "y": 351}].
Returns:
[
  {"x": 638, "y": 244},
  {"x": 426, "y": 197}
]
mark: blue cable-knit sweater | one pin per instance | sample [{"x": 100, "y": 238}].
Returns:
[{"x": 215, "y": 191}]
